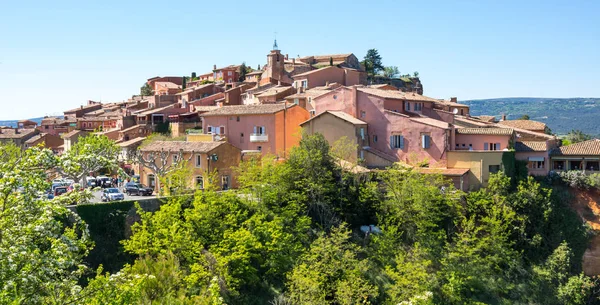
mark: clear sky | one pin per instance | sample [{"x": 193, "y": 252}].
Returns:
[{"x": 55, "y": 55}]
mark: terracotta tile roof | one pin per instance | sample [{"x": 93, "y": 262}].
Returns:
[
  {"x": 34, "y": 138},
  {"x": 83, "y": 108},
  {"x": 205, "y": 108},
  {"x": 470, "y": 122},
  {"x": 443, "y": 171},
  {"x": 200, "y": 147},
  {"x": 134, "y": 127},
  {"x": 524, "y": 124},
  {"x": 308, "y": 93},
  {"x": 327, "y": 56},
  {"x": 153, "y": 110},
  {"x": 341, "y": 115},
  {"x": 72, "y": 133},
  {"x": 192, "y": 89},
  {"x": 432, "y": 122},
  {"x": 537, "y": 135},
  {"x": 248, "y": 109},
  {"x": 486, "y": 118},
  {"x": 529, "y": 146},
  {"x": 485, "y": 131},
  {"x": 379, "y": 86},
  {"x": 9, "y": 133},
  {"x": 397, "y": 95},
  {"x": 255, "y": 73},
  {"x": 274, "y": 91},
  {"x": 590, "y": 147},
  {"x": 132, "y": 142},
  {"x": 169, "y": 85}
]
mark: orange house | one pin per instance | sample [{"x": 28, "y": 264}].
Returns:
[{"x": 269, "y": 128}]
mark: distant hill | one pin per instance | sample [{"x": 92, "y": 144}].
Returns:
[
  {"x": 13, "y": 123},
  {"x": 560, "y": 114}
]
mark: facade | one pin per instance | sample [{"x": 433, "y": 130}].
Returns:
[
  {"x": 190, "y": 95},
  {"x": 203, "y": 158},
  {"x": 166, "y": 88},
  {"x": 71, "y": 138},
  {"x": 133, "y": 132},
  {"x": 57, "y": 126},
  {"x": 47, "y": 140},
  {"x": 229, "y": 74},
  {"x": 326, "y": 75},
  {"x": 82, "y": 110},
  {"x": 269, "y": 128},
  {"x": 526, "y": 124},
  {"x": 580, "y": 156}
]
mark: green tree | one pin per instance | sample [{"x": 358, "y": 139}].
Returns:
[
  {"x": 416, "y": 74},
  {"x": 331, "y": 272},
  {"x": 89, "y": 155},
  {"x": 146, "y": 90},
  {"x": 372, "y": 62},
  {"x": 194, "y": 76},
  {"x": 391, "y": 72},
  {"x": 577, "y": 136},
  {"x": 243, "y": 72},
  {"x": 183, "y": 83},
  {"x": 331, "y": 61},
  {"x": 42, "y": 243}
]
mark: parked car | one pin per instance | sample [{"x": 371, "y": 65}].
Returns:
[
  {"x": 112, "y": 194},
  {"x": 91, "y": 182},
  {"x": 104, "y": 181},
  {"x": 139, "y": 189},
  {"x": 60, "y": 190}
]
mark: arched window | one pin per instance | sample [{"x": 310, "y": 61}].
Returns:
[{"x": 199, "y": 182}]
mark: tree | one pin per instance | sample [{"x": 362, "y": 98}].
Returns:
[
  {"x": 159, "y": 162},
  {"x": 243, "y": 71},
  {"x": 391, "y": 72},
  {"x": 42, "y": 243},
  {"x": 416, "y": 74},
  {"x": 524, "y": 117},
  {"x": 372, "y": 63},
  {"x": 331, "y": 61},
  {"x": 258, "y": 68},
  {"x": 577, "y": 136},
  {"x": 183, "y": 83},
  {"x": 193, "y": 75},
  {"x": 89, "y": 155},
  {"x": 146, "y": 90}
]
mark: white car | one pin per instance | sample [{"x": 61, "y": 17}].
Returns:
[{"x": 111, "y": 194}]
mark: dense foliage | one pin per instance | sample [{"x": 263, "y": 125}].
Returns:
[{"x": 297, "y": 232}]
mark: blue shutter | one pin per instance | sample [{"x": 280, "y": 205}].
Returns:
[
  {"x": 486, "y": 146},
  {"x": 264, "y": 130},
  {"x": 401, "y": 142},
  {"x": 254, "y": 129},
  {"x": 392, "y": 142},
  {"x": 498, "y": 146}
]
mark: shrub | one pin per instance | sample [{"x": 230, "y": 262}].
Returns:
[{"x": 576, "y": 179}]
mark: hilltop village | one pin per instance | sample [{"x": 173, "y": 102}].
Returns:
[{"x": 218, "y": 118}]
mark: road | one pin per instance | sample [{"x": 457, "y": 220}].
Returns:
[{"x": 98, "y": 194}]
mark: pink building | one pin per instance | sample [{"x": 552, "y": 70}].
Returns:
[
  {"x": 269, "y": 128},
  {"x": 325, "y": 76}
]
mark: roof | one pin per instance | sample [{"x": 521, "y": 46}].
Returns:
[
  {"x": 431, "y": 122},
  {"x": 309, "y": 93},
  {"x": 314, "y": 71},
  {"x": 133, "y": 128},
  {"x": 530, "y": 146},
  {"x": 340, "y": 115},
  {"x": 192, "y": 89},
  {"x": 169, "y": 85},
  {"x": 27, "y": 122},
  {"x": 380, "y": 86},
  {"x": 9, "y": 133},
  {"x": 485, "y": 131},
  {"x": 590, "y": 147},
  {"x": 205, "y": 108},
  {"x": 83, "y": 108},
  {"x": 248, "y": 109},
  {"x": 327, "y": 56},
  {"x": 524, "y": 124},
  {"x": 34, "y": 138},
  {"x": 443, "y": 171},
  {"x": 486, "y": 118},
  {"x": 254, "y": 72},
  {"x": 154, "y": 110},
  {"x": 71, "y": 133},
  {"x": 393, "y": 94},
  {"x": 274, "y": 91},
  {"x": 132, "y": 142},
  {"x": 200, "y": 147}
]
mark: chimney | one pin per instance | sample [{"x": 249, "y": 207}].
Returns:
[
  {"x": 286, "y": 56},
  {"x": 503, "y": 117},
  {"x": 454, "y": 100},
  {"x": 214, "y": 67},
  {"x": 81, "y": 107},
  {"x": 293, "y": 61},
  {"x": 16, "y": 130}
]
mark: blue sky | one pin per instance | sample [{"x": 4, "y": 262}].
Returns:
[{"x": 55, "y": 55}]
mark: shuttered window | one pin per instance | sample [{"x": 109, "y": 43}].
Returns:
[
  {"x": 397, "y": 141},
  {"x": 425, "y": 141}
]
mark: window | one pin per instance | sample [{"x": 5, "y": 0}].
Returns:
[
  {"x": 363, "y": 114},
  {"x": 175, "y": 158},
  {"x": 335, "y": 97},
  {"x": 418, "y": 106},
  {"x": 259, "y": 148},
  {"x": 397, "y": 141},
  {"x": 491, "y": 146},
  {"x": 494, "y": 169},
  {"x": 362, "y": 154},
  {"x": 229, "y": 73},
  {"x": 225, "y": 182},
  {"x": 592, "y": 165},
  {"x": 425, "y": 141},
  {"x": 305, "y": 84},
  {"x": 575, "y": 165},
  {"x": 209, "y": 129},
  {"x": 407, "y": 106},
  {"x": 259, "y": 130},
  {"x": 46, "y": 127},
  {"x": 296, "y": 101},
  {"x": 241, "y": 135},
  {"x": 535, "y": 164},
  {"x": 151, "y": 181},
  {"x": 238, "y": 118},
  {"x": 559, "y": 165},
  {"x": 375, "y": 138},
  {"x": 312, "y": 113},
  {"x": 198, "y": 160},
  {"x": 199, "y": 182}
]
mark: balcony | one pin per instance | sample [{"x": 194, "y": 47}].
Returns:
[{"x": 258, "y": 137}]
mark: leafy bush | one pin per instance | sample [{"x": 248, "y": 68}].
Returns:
[{"x": 576, "y": 179}]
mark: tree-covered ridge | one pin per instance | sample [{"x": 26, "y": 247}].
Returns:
[
  {"x": 560, "y": 114},
  {"x": 292, "y": 235}
]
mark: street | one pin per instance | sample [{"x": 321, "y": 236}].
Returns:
[{"x": 98, "y": 194}]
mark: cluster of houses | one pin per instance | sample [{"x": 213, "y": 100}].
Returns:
[{"x": 219, "y": 118}]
